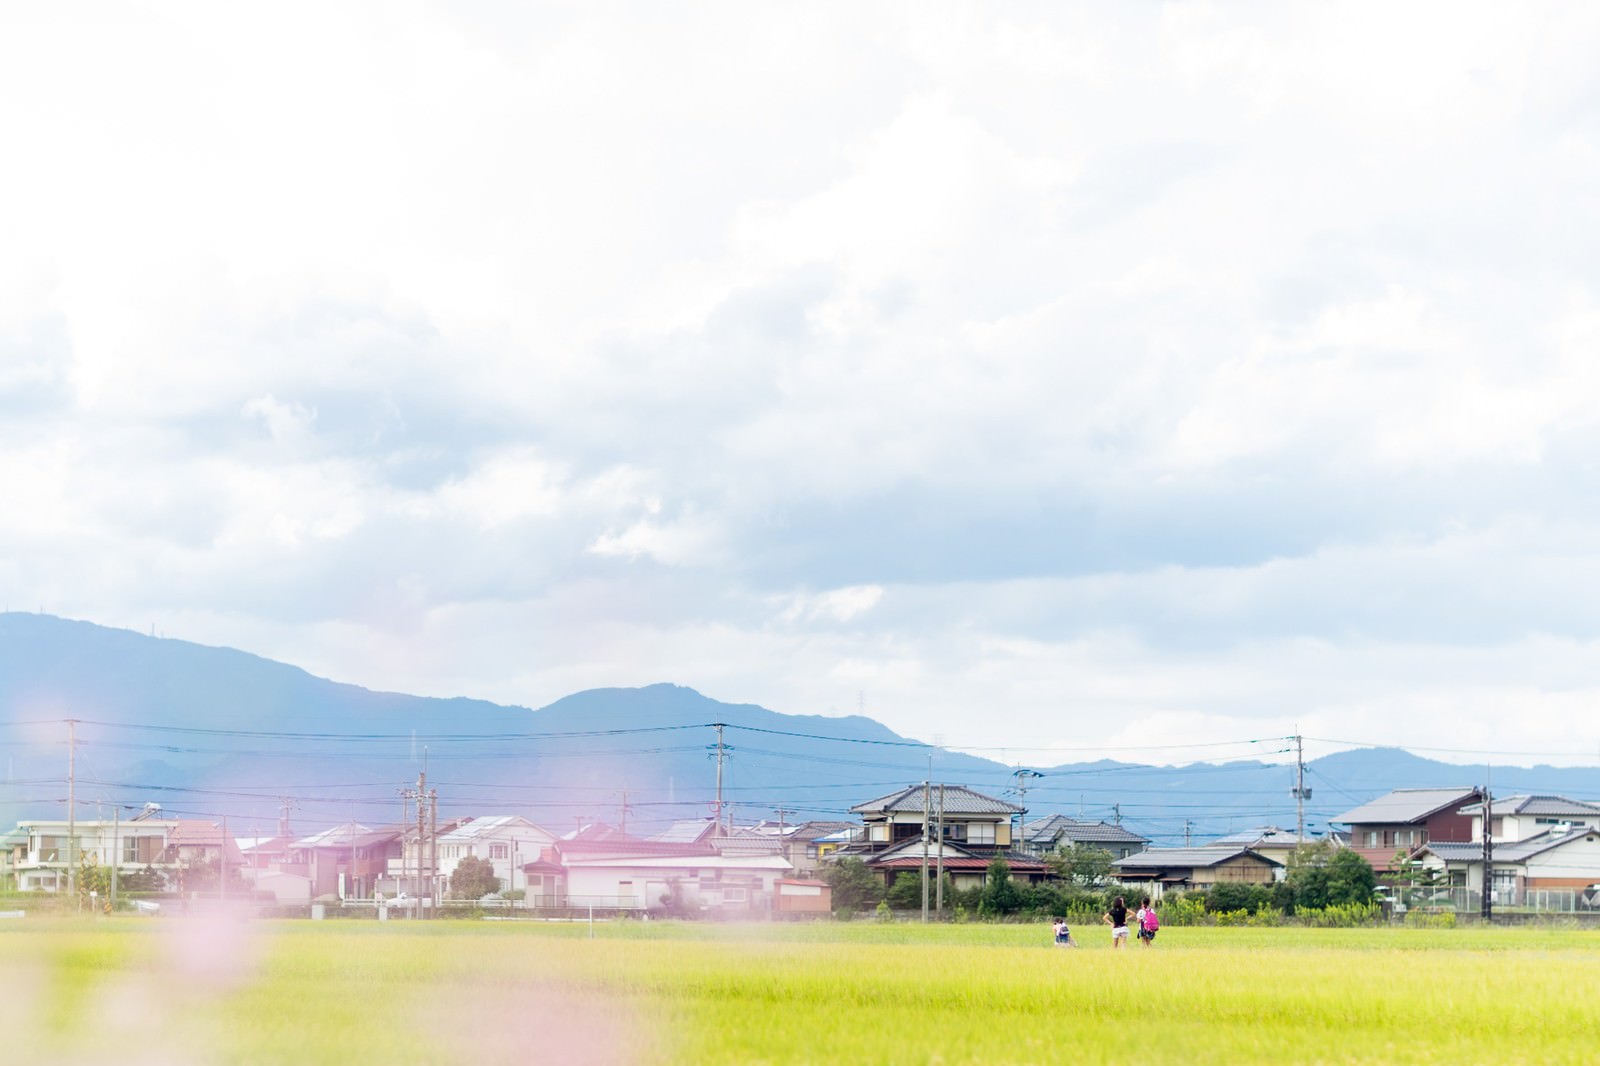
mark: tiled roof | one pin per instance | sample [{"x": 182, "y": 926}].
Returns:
[
  {"x": 958, "y": 799},
  {"x": 479, "y": 828},
  {"x": 1263, "y": 836},
  {"x": 1405, "y": 805},
  {"x": 686, "y": 831},
  {"x": 1517, "y": 851},
  {"x": 1549, "y": 806},
  {"x": 1187, "y": 858},
  {"x": 908, "y": 856},
  {"x": 1048, "y": 830}
]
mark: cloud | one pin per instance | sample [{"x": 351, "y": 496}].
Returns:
[{"x": 1059, "y": 369}]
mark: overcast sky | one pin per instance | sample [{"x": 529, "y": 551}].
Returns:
[{"x": 1068, "y": 380}]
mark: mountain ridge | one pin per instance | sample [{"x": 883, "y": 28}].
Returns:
[{"x": 212, "y": 731}]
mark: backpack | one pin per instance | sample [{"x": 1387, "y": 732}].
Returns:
[{"x": 1151, "y": 922}]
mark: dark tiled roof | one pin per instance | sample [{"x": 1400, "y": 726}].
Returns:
[
  {"x": 1187, "y": 858},
  {"x": 958, "y": 799},
  {"x": 1549, "y": 806},
  {"x": 1048, "y": 830}
]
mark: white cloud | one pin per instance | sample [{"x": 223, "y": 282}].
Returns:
[{"x": 1091, "y": 374}]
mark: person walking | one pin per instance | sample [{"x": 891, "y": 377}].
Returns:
[
  {"x": 1148, "y": 923},
  {"x": 1117, "y": 918},
  {"x": 1063, "y": 935}
]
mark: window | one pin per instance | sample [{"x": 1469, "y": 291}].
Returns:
[
  {"x": 956, "y": 832},
  {"x": 1372, "y": 838},
  {"x": 735, "y": 894},
  {"x": 980, "y": 833},
  {"x": 499, "y": 851},
  {"x": 1404, "y": 836},
  {"x": 130, "y": 849}
]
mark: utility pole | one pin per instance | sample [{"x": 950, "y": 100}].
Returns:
[
  {"x": 1488, "y": 854},
  {"x": 283, "y": 817},
  {"x": 1301, "y": 792},
  {"x": 116, "y": 852},
  {"x": 433, "y": 851},
  {"x": 721, "y": 751},
  {"x": 1116, "y": 809},
  {"x": 927, "y": 814},
  {"x": 939, "y": 875},
  {"x": 72, "y": 809},
  {"x": 222, "y": 863},
  {"x": 1188, "y": 834},
  {"x": 1022, "y": 777}
]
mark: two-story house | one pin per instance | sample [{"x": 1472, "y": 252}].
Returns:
[
  {"x": 1520, "y": 817},
  {"x": 1044, "y": 835},
  {"x": 506, "y": 841},
  {"x": 1406, "y": 819},
  {"x": 966, "y": 830},
  {"x": 1545, "y": 855},
  {"x": 1158, "y": 869},
  {"x": 36, "y": 854}
]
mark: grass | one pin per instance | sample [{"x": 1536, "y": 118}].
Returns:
[{"x": 215, "y": 991}]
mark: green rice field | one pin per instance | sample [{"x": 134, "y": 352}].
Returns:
[{"x": 212, "y": 990}]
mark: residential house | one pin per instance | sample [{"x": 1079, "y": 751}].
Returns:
[
  {"x": 350, "y": 861},
  {"x": 1406, "y": 819},
  {"x": 1516, "y": 818},
  {"x": 1556, "y": 869},
  {"x": 967, "y": 830},
  {"x": 1196, "y": 868},
  {"x": 506, "y": 841},
  {"x": 1044, "y": 835},
  {"x": 729, "y": 877},
  {"x": 803, "y": 843},
  {"x": 36, "y": 855},
  {"x": 1268, "y": 840}
]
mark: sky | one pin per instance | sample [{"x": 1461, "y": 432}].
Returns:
[{"x": 1150, "y": 381}]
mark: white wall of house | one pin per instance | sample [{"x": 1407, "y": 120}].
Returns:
[
  {"x": 508, "y": 846},
  {"x": 1513, "y": 827},
  {"x": 716, "y": 881},
  {"x": 1579, "y": 860}
]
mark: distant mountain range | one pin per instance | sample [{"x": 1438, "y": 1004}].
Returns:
[{"x": 213, "y": 731}]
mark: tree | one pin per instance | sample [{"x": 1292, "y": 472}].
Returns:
[
  {"x": 1000, "y": 895},
  {"x": 906, "y": 892},
  {"x": 1080, "y": 864},
  {"x": 474, "y": 878},
  {"x": 1351, "y": 878},
  {"x": 1323, "y": 874},
  {"x": 855, "y": 887}
]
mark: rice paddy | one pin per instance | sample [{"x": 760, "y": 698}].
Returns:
[{"x": 212, "y": 990}]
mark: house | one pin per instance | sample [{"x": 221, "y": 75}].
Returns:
[
  {"x": 963, "y": 816},
  {"x": 350, "y": 860},
  {"x": 35, "y": 855},
  {"x": 1196, "y": 868},
  {"x": 964, "y": 867},
  {"x": 1045, "y": 835},
  {"x": 1406, "y": 819},
  {"x": 198, "y": 845},
  {"x": 972, "y": 827},
  {"x": 1521, "y": 817},
  {"x": 506, "y": 841},
  {"x": 804, "y": 843},
  {"x": 728, "y": 878},
  {"x": 1268, "y": 840},
  {"x": 1556, "y": 869}
]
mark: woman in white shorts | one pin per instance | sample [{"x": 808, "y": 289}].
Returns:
[{"x": 1117, "y": 918}]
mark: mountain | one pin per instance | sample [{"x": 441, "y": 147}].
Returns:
[{"x": 213, "y": 731}]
